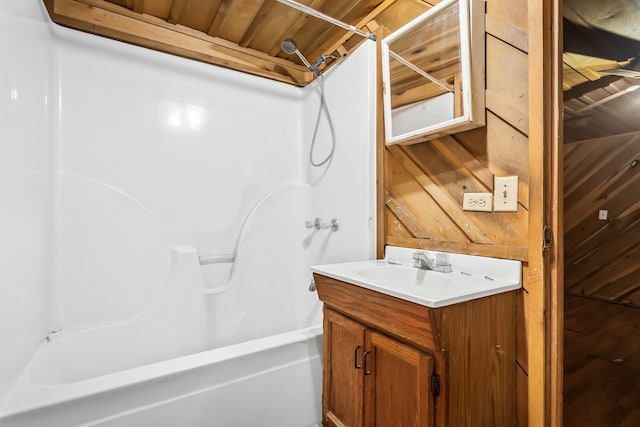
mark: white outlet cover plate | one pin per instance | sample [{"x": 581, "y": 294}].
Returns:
[
  {"x": 482, "y": 202},
  {"x": 505, "y": 194}
]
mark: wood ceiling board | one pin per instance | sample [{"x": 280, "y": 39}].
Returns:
[
  {"x": 258, "y": 26},
  {"x": 578, "y": 69},
  {"x": 199, "y": 14},
  {"x": 292, "y": 21},
  {"x": 136, "y": 5},
  {"x": 349, "y": 13},
  {"x": 236, "y": 18},
  {"x": 577, "y": 62},
  {"x": 402, "y": 12},
  {"x": 349, "y": 41},
  {"x": 123, "y": 24},
  {"x": 315, "y": 31},
  {"x": 158, "y": 8},
  {"x": 261, "y": 23}
]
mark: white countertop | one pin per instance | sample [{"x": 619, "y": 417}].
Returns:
[{"x": 472, "y": 277}]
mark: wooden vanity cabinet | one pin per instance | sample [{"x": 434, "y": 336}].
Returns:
[
  {"x": 343, "y": 377},
  {"x": 390, "y": 362},
  {"x": 362, "y": 365}
]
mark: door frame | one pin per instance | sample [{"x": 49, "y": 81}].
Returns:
[{"x": 544, "y": 301}]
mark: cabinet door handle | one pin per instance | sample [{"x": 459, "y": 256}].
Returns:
[
  {"x": 364, "y": 361},
  {"x": 355, "y": 358}
]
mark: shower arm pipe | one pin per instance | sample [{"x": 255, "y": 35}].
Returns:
[
  {"x": 419, "y": 71},
  {"x": 304, "y": 60},
  {"x": 310, "y": 11}
]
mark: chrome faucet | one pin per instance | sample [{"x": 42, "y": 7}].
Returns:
[{"x": 441, "y": 263}]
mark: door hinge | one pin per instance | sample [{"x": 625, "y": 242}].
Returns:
[
  {"x": 435, "y": 384},
  {"x": 547, "y": 237}
]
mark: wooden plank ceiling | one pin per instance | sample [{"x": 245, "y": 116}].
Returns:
[
  {"x": 245, "y": 35},
  {"x": 601, "y": 68}
]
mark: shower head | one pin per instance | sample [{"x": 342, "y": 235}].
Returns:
[{"x": 288, "y": 46}]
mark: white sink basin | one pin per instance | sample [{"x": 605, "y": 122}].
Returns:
[
  {"x": 472, "y": 277},
  {"x": 405, "y": 275}
]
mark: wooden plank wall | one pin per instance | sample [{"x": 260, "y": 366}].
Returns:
[
  {"x": 424, "y": 183},
  {"x": 602, "y": 257}
]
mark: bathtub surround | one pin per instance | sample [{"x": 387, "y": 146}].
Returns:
[
  {"x": 119, "y": 168},
  {"x": 26, "y": 204}
]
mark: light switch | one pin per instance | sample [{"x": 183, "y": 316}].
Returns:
[{"x": 505, "y": 194}]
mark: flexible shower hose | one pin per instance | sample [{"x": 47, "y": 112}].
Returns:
[{"x": 321, "y": 108}]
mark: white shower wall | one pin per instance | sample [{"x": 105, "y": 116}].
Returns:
[
  {"x": 347, "y": 190},
  {"x": 25, "y": 185},
  {"x": 113, "y": 154},
  {"x": 157, "y": 151}
]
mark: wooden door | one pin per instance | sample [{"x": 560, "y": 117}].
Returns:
[
  {"x": 397, "y": 384},
  {"x": 342, "y": 396}
]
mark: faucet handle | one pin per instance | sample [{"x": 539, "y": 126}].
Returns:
[
  {"x": 333, "y": 225},
  {"x": 313, "y": 224},
  {"x": 442, "y": 259},
  {"x": 416, "y": 260},
  {"x": 443, "y": 264}
]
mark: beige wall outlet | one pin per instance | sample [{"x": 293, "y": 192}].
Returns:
[{"x": 477, "y": 202}]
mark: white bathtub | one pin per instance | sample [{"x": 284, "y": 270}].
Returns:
[
  {"x": 189, "y": 359},
  {"x": 273, "y": 381}
]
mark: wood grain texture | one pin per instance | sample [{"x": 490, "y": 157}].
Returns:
[
  {"x": 485, "y": 360},
  {"x": 427, "y": 180},
  {"x": 504, "y": 151},
  {"x": 343, "y": 345},
  {"x": 121, "y": 24},
  {"x": 602, "y": 258},
  {"x": 507, "y": 20},
  {"x": 496, "y": 251},
  {"x": 441, "y": 197},
  {"x": 544, "y": 115},
  {"x": 473, "y": 345},
  {"x": 404, "y": 187},
  {"x": 404, "y": 320},
  {"x": 602, "y": 363},
  {"x": 600, "y": 110},
  {"x": 398, "y": 390},
  {"x": 405, "y": 216},
  {"x": 504, "y": 228},
  {"x": 431, "y": 178},
  {"x": 507, "y": 77},
  {"x": 522, "y": 410},
  {"x": 381, "y": 192},
  {"x": 244, "y": 35}
]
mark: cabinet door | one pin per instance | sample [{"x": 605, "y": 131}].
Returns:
[
  {"x": 397, "y": 384},
  {"x": 343, "y": 394}
]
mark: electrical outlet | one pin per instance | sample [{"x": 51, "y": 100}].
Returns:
[
  {"x": 477, "y": 202},
  {"x": 505, "y": 194}
]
